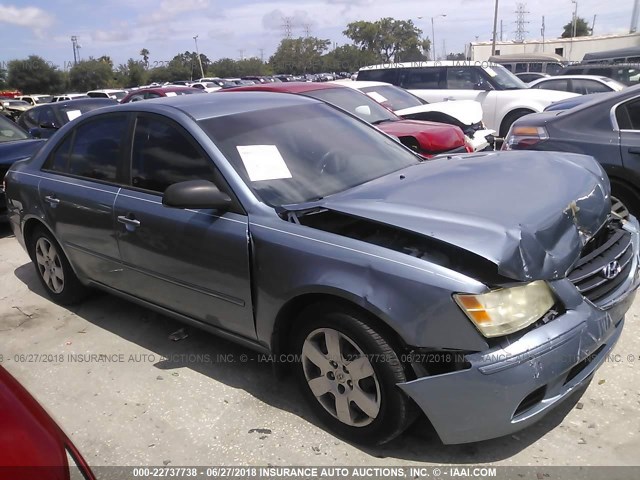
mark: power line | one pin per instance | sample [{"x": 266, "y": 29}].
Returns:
[{"x": 287, "y": 26}]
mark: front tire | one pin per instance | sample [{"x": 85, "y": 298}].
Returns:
[
  {"x": 348, "y": 374},
  {"x": 53, "y": 269}
]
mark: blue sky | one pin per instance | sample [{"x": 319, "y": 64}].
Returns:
[{"x": 121, "y": 28}]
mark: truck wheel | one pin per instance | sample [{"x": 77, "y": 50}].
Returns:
[{"x": 348, "y": 374}]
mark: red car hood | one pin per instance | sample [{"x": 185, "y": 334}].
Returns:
[
  {"x": 431, "y": 136},
  {"x": 32, "y": 446}
]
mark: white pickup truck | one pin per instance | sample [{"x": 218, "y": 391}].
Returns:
[{"x": 503, "y": 96}]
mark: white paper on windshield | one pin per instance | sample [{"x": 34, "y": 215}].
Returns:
[
  {"x": 171, "y": 94},
  {"x": 490, "y": 71},
  {"x": 72, "y": 114},
  {"x": 263, "y": 162},
  {"x": 377, "y": 97}
]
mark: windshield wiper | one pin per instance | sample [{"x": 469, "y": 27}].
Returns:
[{"x": 384, "y": 120}]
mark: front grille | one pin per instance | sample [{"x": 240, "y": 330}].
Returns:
[{"x": 604, "y": 264}]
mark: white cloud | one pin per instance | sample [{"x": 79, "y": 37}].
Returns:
[
  {"x": 30, "y": 17},
  {"x": 119, "y": 35},
  {"x": 170, "y": 9}
]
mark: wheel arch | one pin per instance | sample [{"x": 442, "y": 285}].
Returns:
[
  {"x": 285, "y": 319},
  {"x": 520, "y": 111}
]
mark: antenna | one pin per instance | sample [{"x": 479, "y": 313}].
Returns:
[{"x": 521, "y": 23}]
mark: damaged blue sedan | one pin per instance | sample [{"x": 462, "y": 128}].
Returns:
[{"x": 480, "y": 290}]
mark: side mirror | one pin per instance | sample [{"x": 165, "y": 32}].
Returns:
[
  {"x": 363, "y": 110},
  {"x": 195, "y": 194},
  {"x": 483, "y": 85},
  {"x": 35, "y": 133}
]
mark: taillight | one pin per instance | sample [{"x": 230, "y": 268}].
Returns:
[{"x": 521, "y": 138}]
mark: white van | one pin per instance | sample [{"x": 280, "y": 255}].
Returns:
[{"x": 504, "y": 97}]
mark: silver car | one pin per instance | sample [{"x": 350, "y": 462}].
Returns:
[{"x": 480, "y": 290}]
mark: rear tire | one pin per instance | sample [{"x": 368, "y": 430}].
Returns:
[
  {"x": 348, "y": 374},
  {"x": 509, "y": 119},
  {"x": 54, "y": 270}
]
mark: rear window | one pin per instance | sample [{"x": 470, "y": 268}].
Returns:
[
  {"x": 423, "y": 78},
  {"x": 382, "y": 75}
]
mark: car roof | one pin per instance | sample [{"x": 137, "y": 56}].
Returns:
[
  {"x": 360, "y": 84},
  {"x": 607, "y": 97},
  {"x": 439, "y": 63},
  {"x": 164, "y": 88},
  {"x": 77, "y": 103},
  {"x": 213, "y": 105},
  {"x": 287, "y": 87},
  {"x": 576, "y": 77}
]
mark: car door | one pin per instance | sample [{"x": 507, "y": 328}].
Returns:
[
  {"x": 77, "y": 193},
  {"x": 194, "y": 262},
  {"x": 628, "y": 119}
]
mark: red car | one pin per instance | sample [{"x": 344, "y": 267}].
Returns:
[
  {"x": 157, "y": 92},
  {"x": 426, "y": 138},
  {"x": 32, "y": 446}
]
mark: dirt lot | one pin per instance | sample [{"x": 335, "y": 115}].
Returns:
[{"x": 149, "y": 400}]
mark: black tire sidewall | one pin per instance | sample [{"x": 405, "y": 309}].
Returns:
[{"x": 395, "y": 409}]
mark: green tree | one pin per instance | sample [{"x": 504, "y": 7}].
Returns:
[
  {"x": 144, "y": 53},
  {"x": 183, "y": 66},
  {"x": 456, "y": 56},
  {"x": 224, "y": 67},
  {"x": 132, "y": 73},
  {"x": 91, "y": 74},
  {"x": 299, "y": 55},
  {"x": 3, "y": 77},
  {"x": 252, "y": 66},
  {"x": 386, "y": 37},
  {"x": 349, "y": 58},
  {"x": 34, "y": 75},
  {"x": 582, "y": 29}
]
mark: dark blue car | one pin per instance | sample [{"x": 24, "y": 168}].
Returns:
[{"x": 15, "y": 144}]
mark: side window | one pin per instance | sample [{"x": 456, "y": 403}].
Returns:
[
  {"x": 463, "y": 78},
  {"x": 97, "y": 149},
  {"x": 46, "y": 117},
  {"x": 163, "y": 155},
  {"x": 535, "y": 67},
  {"x": 382, "y": 75},
  {"x": 585, "y": 87},
  {"x": 59, "y": 159},
  {"x": 560, "y": 85},
  {"x": 422, "y": 78},
  {"x": 628, "y": 115},
  {"x": 136, "y": 98},
  {"x": 521, "y": 67},
  {"x": 151, "y": 95},
  {"x": 553, "y": 68},
  {"x": 508, "y": 66}
]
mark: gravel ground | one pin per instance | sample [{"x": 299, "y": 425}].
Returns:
[{"x": 205, "y": 401}]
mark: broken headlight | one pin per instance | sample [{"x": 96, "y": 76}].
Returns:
[{"x": 507, "y": 310}]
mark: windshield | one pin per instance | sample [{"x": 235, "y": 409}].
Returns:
[
  {"x": 392, "y": 97},
  {"x": 504, "y": 78},
  {"x": 70, "y": 111},
  {"x": 302, "y": 153},
  {"x": 355, "y": 103},
  {"x": 10, "y": 132},
  {"x": 46, "y": 99},
  {"x": 119, "y": 95},
  {"x": 18, "y": 103}
]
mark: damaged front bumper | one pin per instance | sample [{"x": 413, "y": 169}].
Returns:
[{"x": 509, "y": 388}]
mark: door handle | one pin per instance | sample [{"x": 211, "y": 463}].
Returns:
[
  {"x": 52, "y": 200},
  {"x": 447, "y": 99},
  {"x": 634, "y": 150},
  {"x": 129, "y": 222}
]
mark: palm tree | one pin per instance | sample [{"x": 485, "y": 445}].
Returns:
[{"x": 145, "y": 57}]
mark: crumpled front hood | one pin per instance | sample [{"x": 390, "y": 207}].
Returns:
[
  {"x": 432, "y": 136},
  {"x": 527, "y": 212}
]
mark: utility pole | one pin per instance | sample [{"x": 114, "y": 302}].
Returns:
[
  {"x": 575, "y": 17},
  {"x": 261, "y": 50},
  {"x": 593, "y": 24},
  {"x": 634, "y": 16},
  {"x": 241, "y": 51},
  {"x": 501, "y": 30},
  {"x": 495, "y": 30},
  {"x": 198, "y": 54},
  {"x": 542, "y": 32},
  {"x": 433, "y": 34},
  {"x": 307, "y": 29},
  {"x": 76, "y": 51}
]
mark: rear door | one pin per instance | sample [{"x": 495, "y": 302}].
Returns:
[
  {"x": 628, "y": 118},
  {"x": 77, "y": 193},
  {"x": 194, "y": 262}
]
